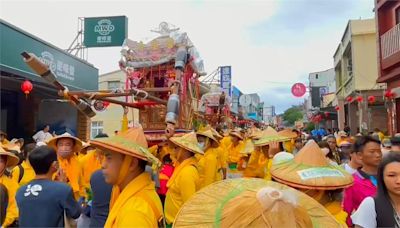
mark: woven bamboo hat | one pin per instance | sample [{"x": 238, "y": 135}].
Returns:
[
  {"x": 131, "y": 142},
  {"x": 188, "y": 142},
  {"x": 208, "y": 134},
  {"x": 268, "y": 136},
  {"x": 236, "y": 133},
  {"x": 12, "y": 160},
  {"x": 311, "y": 170},
  {"x": 288, "y": 133},
  {"x": 252, "y": 202},
  {"x": 53, "y": 141},
  {"x": 248, "y": 147}
]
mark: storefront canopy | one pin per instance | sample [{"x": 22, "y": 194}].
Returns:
[{"x": 71, "y": 71}]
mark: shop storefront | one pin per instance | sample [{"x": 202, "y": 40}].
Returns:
[{"x": 22, "y": 115}]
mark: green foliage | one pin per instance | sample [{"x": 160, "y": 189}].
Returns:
[
  {"x": 310, "y": 126},
  {"x": 292, "y": 115}
]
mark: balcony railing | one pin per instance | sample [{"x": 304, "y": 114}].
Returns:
[{"x": 390, "y": 42}]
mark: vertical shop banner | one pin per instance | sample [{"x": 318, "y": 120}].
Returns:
[
  {"x": 226, "y": 79},
  {"x": 105, "y": 31}
]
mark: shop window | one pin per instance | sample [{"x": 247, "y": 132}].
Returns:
[
  {"x": 111, "y": 85},
  {"x": 96, "y": 128}
]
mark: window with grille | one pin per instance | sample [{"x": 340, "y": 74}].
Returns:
[{"x": 96, "y": 128}]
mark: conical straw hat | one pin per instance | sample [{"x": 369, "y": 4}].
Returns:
[
  {"x": 311, "y": 170},
  {"x": 288, "y": 133},
  {"x": 237, "y": 134},
  {"x": 53, "y": 141},
  {"x": 188, "y": 142},
  {"x": 252, "y": 202},
  {"x": 268, "y": 136},
  {"x": 208, "y": 134},
  {"x": 131, "y": 142},
  {"x": 12, "y": 159}
]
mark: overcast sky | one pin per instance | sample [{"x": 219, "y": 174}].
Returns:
[{"x": 269, "y": 44}]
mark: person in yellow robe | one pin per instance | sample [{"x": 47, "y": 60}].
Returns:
[
  {"x": 70, "y": 170},
  {"x": 208, "y": 165},
  {"x": 134, "y": 201},
  {"x": 184, "y": 182},
  {"x": 90, "y": 163},
  {"x": 224, "y": 145},
  {"x": 7, "y": 161},
  {"x": 24, "y": 173}
]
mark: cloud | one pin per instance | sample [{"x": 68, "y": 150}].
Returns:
[{"x": 269, "y": 44}]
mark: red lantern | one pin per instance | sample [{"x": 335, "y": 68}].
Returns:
[
  {"x": 326, "y": 114},
  {"x": 337, "y": 108},
  {"x": 359, "y": 99},
  {"x": 389, "y": 94},
  {"x": 371, "y": 99},
  {"x": 26, "y": 87},
  {"x": 349, "y": 99}
]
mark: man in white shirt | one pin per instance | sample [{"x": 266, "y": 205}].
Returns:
[{"x": 43, "y": 135}]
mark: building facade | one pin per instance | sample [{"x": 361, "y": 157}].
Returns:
[
  {"x": 22, "y": 115},
  {"x": 356, "y": 72},
  {"x": 110, "y": 120},
  {"x": 387, "y": 14}
]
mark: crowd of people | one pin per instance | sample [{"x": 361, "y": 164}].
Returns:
[{"x": 209, "y": 177}]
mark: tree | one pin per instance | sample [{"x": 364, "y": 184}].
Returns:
[{"x": 293, "y": 114}]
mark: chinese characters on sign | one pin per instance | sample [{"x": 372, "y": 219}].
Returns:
[
  {"x": 59, "y": 67},
  {"x": 105, "y": 31},
  {"x": 226, "y": 80}
]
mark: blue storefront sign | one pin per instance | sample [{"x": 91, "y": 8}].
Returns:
[{"x": 226, "y": 79}]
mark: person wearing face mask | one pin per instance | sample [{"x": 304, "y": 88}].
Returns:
[
  {"x": 70, "y": 170},
  {"x": 208, "y": 164},
  {"x": 184, "y": 182}
]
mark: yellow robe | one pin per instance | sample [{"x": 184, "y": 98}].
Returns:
[
  {"x": 234, "y": 152},
  {"x": 337, "y": 211},
  {"x": 267, "y": 171},
  {"x": 257, "y": 166},
  {"x": 208, "y": 167},
  {"x": 73, "y": 171},
  {"x": 181, "y": 186},
  {"x": 138, "y": 205},
  {"x": 29, "y": 173},
  {"x": 90, "y": 163},
  {"x": 12, "y": 209}
]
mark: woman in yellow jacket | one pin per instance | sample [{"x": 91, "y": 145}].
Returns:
[
  {"x": 9, "y": 160},
  {"x": 184, "y": 182},
  {"x": 134, "y": 201},
  {"x": 208, "y": 164}
]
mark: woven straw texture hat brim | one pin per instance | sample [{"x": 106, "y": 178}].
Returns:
[
  {"x": 188, "y": 142},
  {"x": 78, "y": 143},
  {"x": 296, "y": 175},
  {"x": 288, "y": 133},
  {"x": 236, "y": 134},
  {"x": 125, "y": 146},
  {"x": 205, "y": 208},
  {"x": 310, "y": 169},
  {"x": 265, "y": 140},
  {"x": 209, "y": 135},
  {"x": 12, "y": 160}
]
